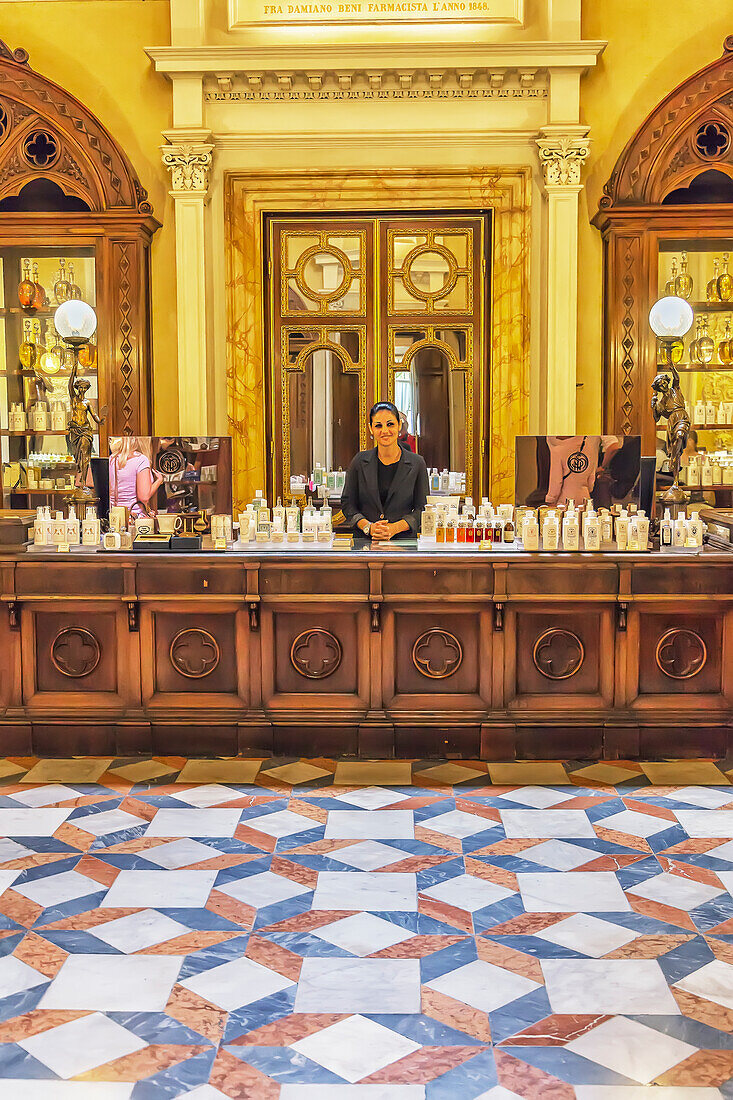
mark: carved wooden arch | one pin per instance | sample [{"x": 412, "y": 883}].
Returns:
[
  {"x": 88, "y": 162},
  {"x": 662, "y": 155}
]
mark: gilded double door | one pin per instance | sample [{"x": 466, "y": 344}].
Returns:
[{"x": 368, "y": 308}]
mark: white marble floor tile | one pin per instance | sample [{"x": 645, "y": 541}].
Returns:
[
  {"x": 113, "y": 983},
  {"x": 281, "y": 823},
  {"x": 363, "y": 933},
  {"x": 66, "y": 1090},
  {"x": 16, "y": 976},
  {"x": 81, "y": 1045},
  {"x": 378, "y": 891},
  {"x": 499, "y": 1093},
  {"x": 631, "y": 1049},
  {"x": 587, "y": 935},
  {"x": 352, "y": 1092},
  {"x": 635, "y": 824},
  {"x": 458, "y": 823},
  {"x": 179, "y": 853},
  {"x": 708, "y": 797},
  {"x": 7, "y": 878},
  {"x": 370, "y": 825},
  {"x": 546, "y": 823},
  {"x": 371, "y": 798},
  {"x": 370, "y": 855},
  {"x": 109, "y": 821},
  {"x": 32, "y": 822},
  {"x": 572, "y": 892},
  {"x": 703, "y": 823},
  {"x": 194, "y": 823},
  {"x": 726, "y": 877},
  {"x": 539, "y": 797},
  {"x": 359, "y": 985},
  {"x": 237, "y": 983},
  {"x": 207, "y": 795},
  {"x": 58, "y": 889},
  {"x": 50, "y": 794},
  {"x": 10, "y": 850},
  {"x": 641, "y": 1092},
  {"x": 723, "y": 851},
  {"x": 263, "y": 889},
  {"x": 468, "y": 892},
  {"x": 160, "y": 890},
  {"x": 714, "y": 982},
  {"x": 558, "y": 855},
  {"x": 204, "y": 1092},
  {"x": 675, "y": 890},
  {"x": 633, "y": 987},
  {"x": 355, "y": 1047},
  {"x": 137, "y": 931},
  {"x": 483, "y": 985}
]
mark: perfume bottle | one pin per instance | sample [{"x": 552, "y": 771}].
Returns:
[
  {"x": 700, "y": 412},
  {"x": 725, "y": 281},
  {"x": 592, "y": 532},
  {"x": 669, "y": 286},
  {"x": 550, "y": 532},
  {"x": 665, "y": 531},
  {"x": 26, "y": 288},
  {"x": 692, "y": 352},
  {"x": 40, "y": 300},
  {"x": 683, "y": 283},
  {"x": 531, "y": 534},
  {"x": 711, "y": 291},
  {"x": 52, "y": 358},
  {"x": 725, "y": 347},
  {"x": 75, "y": 288},
  {"x": 705, "y": 343},
  {"x": 622, "y": 530},
  {"x": 62, "y": 286},
  {"x": 28, "y": 352}
]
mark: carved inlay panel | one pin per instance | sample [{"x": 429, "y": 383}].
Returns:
[
  {"x": 437, "y": 654},
  {"x": 75, "y": 652},
  {"x": 558, "y": 654},
  {"x": 316, "y": 653},
  {"x": 194, "y": 653},
  {"x": 681, "y": 654}
]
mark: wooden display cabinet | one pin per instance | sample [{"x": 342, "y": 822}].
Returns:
[
  {"x": 671, "y": 190},
  {"x": 68, "y": 194}
]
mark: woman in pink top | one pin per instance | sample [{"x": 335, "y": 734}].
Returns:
[
  {"x": 573, "y": 463},
  {"x": 132, "y": 481}
]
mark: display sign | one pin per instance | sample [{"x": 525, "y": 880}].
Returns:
[
  {"x": 554, "y": 469},
  {"x": 245, "y": 13}
]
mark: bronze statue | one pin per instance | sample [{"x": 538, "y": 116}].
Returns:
[
  {"x": 667, "y": 401},
  {"x": 80, "y": 434}
]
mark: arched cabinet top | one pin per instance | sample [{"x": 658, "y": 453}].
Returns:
[
  {"x": 47, "y": 134},
  {"x": 689, "y": 132}
]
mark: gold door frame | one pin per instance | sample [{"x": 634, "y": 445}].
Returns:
[{"x": 249, "y": 196}]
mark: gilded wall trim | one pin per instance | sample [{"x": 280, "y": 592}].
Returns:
[{"x": 250, "y": 196}]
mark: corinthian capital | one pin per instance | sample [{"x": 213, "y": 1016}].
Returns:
[
  {"x": 188, "y": 164},
  {"x": 562, "y": 155}
]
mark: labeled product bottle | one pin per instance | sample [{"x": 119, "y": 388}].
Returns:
[
  {"x": 461, "y": 530},
  {"x": 444, "y": 481},
  {"x": 633, "y": 543},
  {"x": 62, "y": 287},
  {"x": 40, "y": 527},
  {"x": 90, "y": 528},
  {"x": 711, "y": 291},
  {"x": 570, "y": 530},
  {"x": 550, "y": 532},
  {"x": 497, "y": 529},
  {"x": 705, "y": 343},
  {"x": 700, "y": 412},
  {"x": 721, "y": 413},
  {"x": 642, "y": 522},
  {"x": 440, "y": 527},
  {"x": 278, "y": 513},
  {"x": 694, "y": 530},
  {"x": 725, "y": 281},
  {"x": 711, "y": 413},
  {"x": 434, "y": 481},
  {"x": 692, "y": 350},
  {"x": 622, "y": 530},
  {"x": 706, "y": 472},
  {"x": 592, "y": 532},
  {"x": 666, "y": 528},
  {"x": 679, "y": 531},
  {"x": 717, "y": 471},
  {"x": 470, "y": 529},
  {"x": 59, "y": 529},
  {"x": 670, "y": 288},
  {"x": 725, "y": 347},
  {"x": 531, "y": 533},
  {"x": 26, "y": 288},
  {"x": 72, "y": 527},
  {"x": 683, "y": 283},
  {"x": 508, "y": 532}
]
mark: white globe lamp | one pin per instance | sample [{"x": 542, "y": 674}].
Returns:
[{"x": 76, "y": 322}]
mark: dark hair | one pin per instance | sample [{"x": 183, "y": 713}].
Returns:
[
  {"x": 384, "y": 405},
  {"x": 693, "y": 435}
]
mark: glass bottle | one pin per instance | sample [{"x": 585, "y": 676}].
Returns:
[
  {"x": 26, "y": 288},
  {"x": 725, "y": 347},
  {"x": 669, "y": 286},
  {"x": 440, "y": 528},
  {"x": 711, "y": 292},
  {"x": 693, "y": 343},
  {"x": 62, "y": 287},
  {"x": 88, "y": 356},
  {"x": 28, "y": 352},
  {"x": 52, "y": 358},
  {"x": 39, "y": 298},
  {"x": 725, "y": 281},
  {"x": 461, "y": 530},
  {"x": 470, "y": 530},
  {"x": 75, "y": 288},
  {"x": 705, "y": 343},
  {"x": 683, "y": 283},
  {"x": 450, "y": 531}
]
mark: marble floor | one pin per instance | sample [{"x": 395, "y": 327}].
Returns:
[{"x": 342, "y": 930}]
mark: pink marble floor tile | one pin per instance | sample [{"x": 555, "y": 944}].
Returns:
[
  {"x": 82, "y": 922},
  {"x": 138, "y": 808},
  {"x": 489, "y": 873},
  {"x": 458, "y": 918},
  {"x": 527, "y": 924},
  {"x": 75, "y": 838},
  {"x": 274, "y": 957},
  {"x": 528, "y": 1081},
  {"x": 509, "y": 959},
  {"x": 657, "y": 911},
  {"x": 438, "y": 840},
  {"x": 231, "y": 909},
  {"x": 704, "y": 1068},
  {"x": 306, "y": 922},
  {"x": 142, "y": 1063},
  {"x": 422, "y": 1065},
  {"x": 296, "y": 872},
  {"x": 642, "y": 806},
  {"x": 648, "y": 947},
  {"x": 41, "y": 954},
  {"x": 455, "y": 1014},
  {"x": 555, "y": 1031},
  {"x": 491, "y": 813},
  {"x": 688, "y": 871},
  {"x": 291, "y": 1029},
  {"x": 258, "y": 840},
  {"x": 693, "y": 846},
  {"x": 196, "y": 1012},
  {"x": 613, "y": 836},
  {"x": 187, "y": 944},
  {"x": 239, "y": 1081},
  {"x": 22, "y": 910},
  {"x": 721, "y": 949},
  {"x": 317, "y": 814},
  {"x": 33, "y": 1023},
  {"x": 705, "y": 1012},
  {"x": 413, "y": 864},
  {"x": 417, "y": 947},
  {"x": 97, "y": 869},
  {"x": 612, "y": 862}
]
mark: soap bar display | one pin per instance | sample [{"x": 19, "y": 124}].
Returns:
[{"x": 306, "y": 527}]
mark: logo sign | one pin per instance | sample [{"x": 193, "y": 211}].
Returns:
[{"x": 245, "y": 13}]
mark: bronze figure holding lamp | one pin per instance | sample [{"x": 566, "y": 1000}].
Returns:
[{"x": 670, "y": 319}]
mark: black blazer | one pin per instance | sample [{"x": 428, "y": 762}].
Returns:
[{"x": 407, "y": 494}]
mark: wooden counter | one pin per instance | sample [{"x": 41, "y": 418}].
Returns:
[{"x": 367, "y": 652}]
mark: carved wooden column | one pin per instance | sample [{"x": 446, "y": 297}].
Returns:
[
  {"x": 189, "y": 163},
  {"x": 562, "y": 152}
]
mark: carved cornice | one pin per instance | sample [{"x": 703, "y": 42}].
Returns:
[
  {"x": 188, "y": 164},
  {"x": 562, "y": 156}
]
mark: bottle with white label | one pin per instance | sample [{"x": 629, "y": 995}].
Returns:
[
  {"x": 570, "y": 531},
  {"x": 666, "y": 528},
  {"x": 531, "y": 533},
  {"x": 679, "y": 532},
  {"x": 90, "y": 531},
  {"x": 721, "y": 417},
  {"x": 642, "y": 521},
  {"x": 700, "y": 412},
  {"x": 444, "y": 481},
  {"x": 694, "y": 530},
  {"x": 622, "y": 530},
  {"x": 633, "y": 541},
  {"x": 550, "y": 532},
  {"x": 711, "y": 414},
  {"x": 40, "y": 527},
  {"x": 72, "y": 527},
  {"x": 59, "y": 529},
  {"x": 706, "y": 471},
  {"x": 693, "y": 471},
  {"x": 606, "y": 522},
  {"x": 592, "y": 534}
]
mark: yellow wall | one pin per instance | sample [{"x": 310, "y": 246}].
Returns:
[
  {"x": 652, "y": 46},
  {"x": 95, "y": 50}
]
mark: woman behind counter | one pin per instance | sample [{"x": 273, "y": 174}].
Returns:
[{"x": 386, "y": 488}]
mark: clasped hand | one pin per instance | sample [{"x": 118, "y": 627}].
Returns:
[{"x": 382, "y": 530}]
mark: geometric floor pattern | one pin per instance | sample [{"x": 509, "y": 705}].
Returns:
[{"x": 355, "y": 930}]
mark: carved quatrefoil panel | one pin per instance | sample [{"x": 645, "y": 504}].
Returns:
[
  {"x": 75, "y": 652},
  {"x": 681, "y": 654},
  {"x": 558, "y": 654},
  {"x": 194, "y": 653},
  {"x": 316, "y": 654},
  {"x": 437, "y": 654}
]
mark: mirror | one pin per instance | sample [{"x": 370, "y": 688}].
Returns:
[
  {"x": 553, "y": 469},
  {"x": 324, "y": 407},
  {"x": 433, "y": 397},
  {"x": 196, "y": 471}
]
